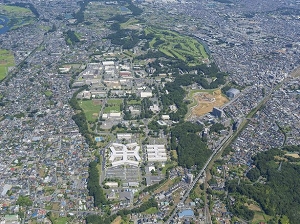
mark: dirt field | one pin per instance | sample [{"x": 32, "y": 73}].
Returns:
[
  {"x": 294, "y": 155},
  {"x": 117, "y": 220},
  {"x": 206, "y": 101}
]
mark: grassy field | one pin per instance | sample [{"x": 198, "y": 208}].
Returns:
[
  {"x": 260, "y": 217},
  {"x": 134, "y": 102},
  {"x": 48, "y": 93},
  {"x": 177, "y": 46},
  {"x": 150, "y": 211},
  {"x": 91, "y": 109},
  {"x": 6, "y": 60},
  {"x": 113, "y": 105}
]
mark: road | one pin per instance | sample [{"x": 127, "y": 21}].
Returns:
[
  {"x": 187, "y": 193},
  {"x": 224, "y": 144}
]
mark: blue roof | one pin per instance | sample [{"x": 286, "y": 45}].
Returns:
[{"x": 188, "y": 213}]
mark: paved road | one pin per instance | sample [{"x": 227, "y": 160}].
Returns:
[{"x": 187, "y": 193}]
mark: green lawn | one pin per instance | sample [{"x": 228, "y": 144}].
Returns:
[
  {"x": 6, "y": 60},
  {"x": 177, "y": 46},
  {"x": 151, "y": 210},
  {"x": 134, "y": 102},
  {"x": 48, "y": 93},
  {"x": 91, "y": 109},
  {"x": 60, "y": 220},
  {"x": 113, "y": 105}
]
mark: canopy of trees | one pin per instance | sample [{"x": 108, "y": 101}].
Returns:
[
  {"x": 190, "y": 148},
  {"x": 24, "y": 201},
  {"x": 280, "y": 195},
  {"x": 217, "y": 127},
  {"x": 71, "y": 37},
  {"x": 127, "y": 38}
]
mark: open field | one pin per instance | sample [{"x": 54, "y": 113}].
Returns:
[
  {"x": 177, "y": 46},
  {"x": 254, "y": 207},
  {"x": 294, "y": 155},
  {"x": 203, "y": 101},
  {"x": 150, "y": 211},
  {"x": 91, "y": 109},
  {"x": 48, "y": 93},
  {"x": 117, "y": 220},
  {"x": 113, "y": 105},
  {"x": 134, "y": 102},
  {"x": 6, "y": 60}
]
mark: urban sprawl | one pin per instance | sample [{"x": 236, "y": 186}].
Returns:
[{"x": 143, "y": 111}]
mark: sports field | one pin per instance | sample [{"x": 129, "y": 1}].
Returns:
[
  {"x": 6, "y": 60},
  {"x": 177, "y": 46},
  {"x": 91, "y": 109}
]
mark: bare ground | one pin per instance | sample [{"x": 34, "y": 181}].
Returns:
[{"x": 206, "y": 102}]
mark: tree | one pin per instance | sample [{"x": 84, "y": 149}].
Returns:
[{"x": 24, "y": 201}]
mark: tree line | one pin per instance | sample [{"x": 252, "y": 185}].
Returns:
[
  {"x": 80, "y": 118},
  {"x": 93, "y": 186}
]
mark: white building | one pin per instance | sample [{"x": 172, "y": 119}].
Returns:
[
  {"x": 112, "y": 184},
  {"x": 156, "y": 153},
  {"x": 124, "y": 154},
  {"x": 108, "y": 63},
  {"x": 165, "y": 117},
  {"x": 146, "y": 94},
  {"x": 154, "y": 108},
  {"x": 126, "y": 136}
]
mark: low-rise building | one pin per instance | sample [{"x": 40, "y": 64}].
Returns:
[{"x": 156, "y": 153}]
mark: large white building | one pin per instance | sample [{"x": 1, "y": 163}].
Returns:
[
  {"x": 124, "y": 154},
  {"x": 156, "y": 153},
  {"x": 145, "y": 94}
]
